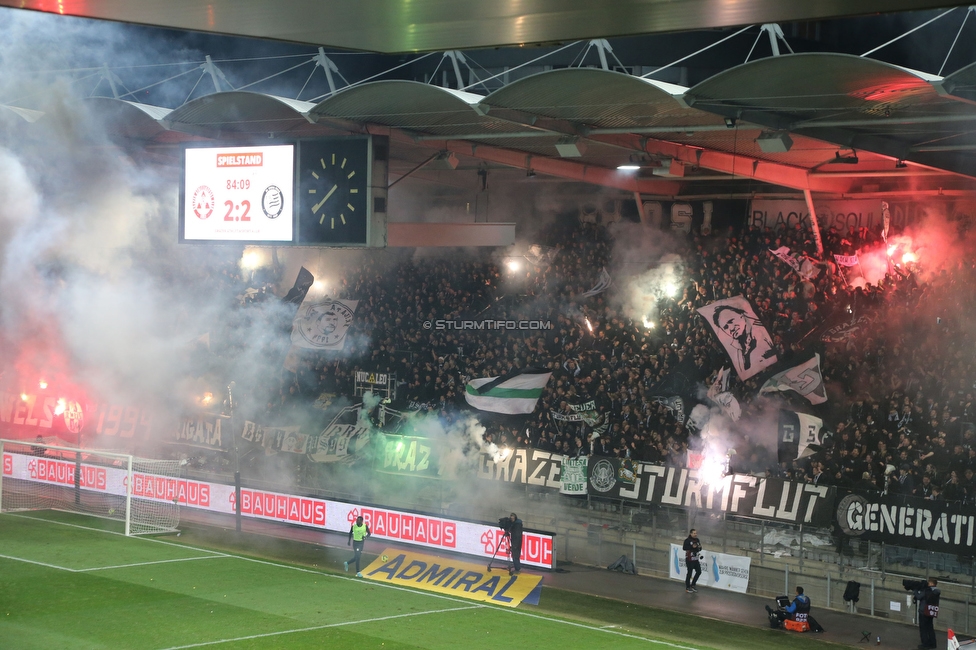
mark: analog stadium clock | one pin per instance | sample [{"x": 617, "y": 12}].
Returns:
[{"x": 333, "y": 191}]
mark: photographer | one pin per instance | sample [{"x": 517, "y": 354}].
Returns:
[
  {"x": 515, "y": 542},
  {"x": 927, "y": 595},
  {"x": 692, "y": 548},
  {"x": 512, "y": 526},
  {"x": 798, "y": 610}
]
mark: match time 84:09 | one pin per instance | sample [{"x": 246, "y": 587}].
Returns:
[{"x": 238, "y": 184}]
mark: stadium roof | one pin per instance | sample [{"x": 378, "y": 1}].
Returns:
[
  {"x": 829, "y": 123},
  {"x": 434, "y": 25}
]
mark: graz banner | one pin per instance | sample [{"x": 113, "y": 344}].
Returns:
[
  {"x": 909, "y": 521},
  {"x": 524, "y": 467},
  {"x": 719, "y": 570},
  {"x": 747, "y": 496},
  {"x": 407, "y": 455}
]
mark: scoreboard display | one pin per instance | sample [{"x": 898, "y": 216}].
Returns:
[{"x": 242, "y": 194}]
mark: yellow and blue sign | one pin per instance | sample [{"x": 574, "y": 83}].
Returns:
[{"x": 445, "y": 576}]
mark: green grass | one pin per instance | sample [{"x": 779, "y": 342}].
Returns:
[{"x": 66, "y": 584}]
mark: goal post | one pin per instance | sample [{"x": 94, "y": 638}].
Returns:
[{"x": 144, "y": 494}]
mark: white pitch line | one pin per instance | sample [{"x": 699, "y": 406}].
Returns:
[
  {"x": 381, "y": 584},
  {"x": 322, "y": 627},
  {"x": 50, "y": 566},
  {"x": 126, "y": 566}
]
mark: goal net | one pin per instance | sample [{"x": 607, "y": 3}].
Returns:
[{"x": 144, "y": 494}]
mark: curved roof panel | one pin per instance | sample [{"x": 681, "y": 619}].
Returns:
[
  {"x": 962, "y": 83},
  {"x": 129, "y": 119},
  {"x": 240, "y": 112},
  {"x": 410, "y": 105},
  {"x": 807, "y": 85},
  {"x": 596, "y": 97}
]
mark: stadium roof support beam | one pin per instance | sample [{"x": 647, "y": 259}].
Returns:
[
  {"x": 735, "y": 164},
  {"x": 559, "y": 168}
]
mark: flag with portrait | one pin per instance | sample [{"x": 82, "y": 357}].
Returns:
[
  {"x": 322, "y": 323},
  {"x": 742, "y": 334}
]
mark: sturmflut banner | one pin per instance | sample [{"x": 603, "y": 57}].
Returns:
[
  {"x": 735, "y": 494},
  {"x": 719, "y": 570},
  {"x": 748, "y": 496}
]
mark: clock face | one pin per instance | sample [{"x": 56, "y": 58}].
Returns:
[{"x": 333, "y": 191}]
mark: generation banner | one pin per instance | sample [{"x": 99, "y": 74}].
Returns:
[
  {"x": 908, "y": 521},
  {"x": 451, "y": 577},
  {"x": 719, "y": 570},
  {"x": 735, "y": 494}
]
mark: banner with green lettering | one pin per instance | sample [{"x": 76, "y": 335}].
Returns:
[
  {"x": 574, "y": 475},
  {"x": 405, "y": 455}
]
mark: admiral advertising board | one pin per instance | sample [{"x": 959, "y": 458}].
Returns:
[{"x": 415, "y": 529}]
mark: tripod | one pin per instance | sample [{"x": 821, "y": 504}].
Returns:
[{"x": 511, "y": 565}]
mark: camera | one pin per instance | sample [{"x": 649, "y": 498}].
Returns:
[
  {"x": 505, "y": 524},
  {"x": 914, "y": 585}
]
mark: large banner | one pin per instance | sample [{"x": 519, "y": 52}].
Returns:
[
  {"x": 203, "y": 431},
  {"x": 523, "y": 467},
  {"x": 747, "y": 496},
  {"x": 719, "y": 570},
  {"x": 909, "y": 521},
  {"x": 852, "y": 214},
  {"x": 741, "y": 333}
]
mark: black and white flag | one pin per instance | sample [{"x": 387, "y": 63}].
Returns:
[
  {"x": 800, "y": 435},
  {"x": 806, "y": 379},
  {"x": 742, "y": 334},
  {"x": 300, "y": 289},
  {"x": 322, "y": 323}
]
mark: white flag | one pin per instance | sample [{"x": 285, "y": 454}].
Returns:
[
  {"x": 321, "y": 324},
  {"x": 806, "y": 379}
]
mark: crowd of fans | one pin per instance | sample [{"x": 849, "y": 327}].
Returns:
[{"x": 900, "y": 388}]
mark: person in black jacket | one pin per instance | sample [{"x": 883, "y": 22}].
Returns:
[
  {"x": 928, "y": 610},
  {"x": 692, "y": 548},
  {"x": 516, "y": 543}
]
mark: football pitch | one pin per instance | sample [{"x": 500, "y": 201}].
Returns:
[{"x": 73, "y": 582}]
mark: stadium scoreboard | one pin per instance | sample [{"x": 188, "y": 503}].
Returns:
[{"x": 318, "y": 192}]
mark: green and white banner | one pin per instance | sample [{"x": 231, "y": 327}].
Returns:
[{"x": 574, "y": 475}]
